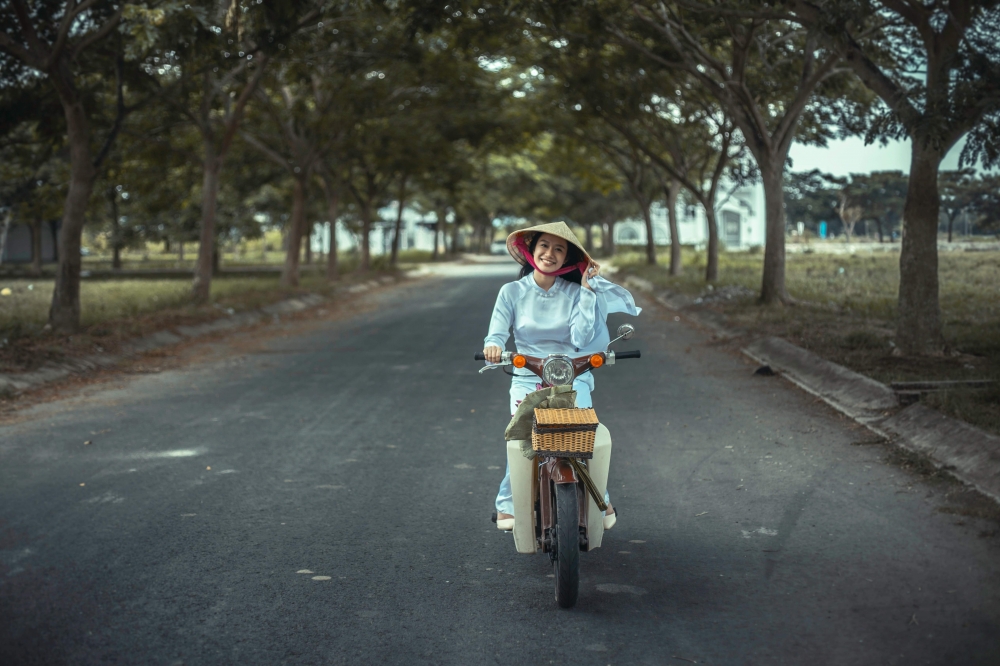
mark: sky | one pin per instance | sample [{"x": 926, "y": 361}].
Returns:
[{"x": 853, "y": 156}]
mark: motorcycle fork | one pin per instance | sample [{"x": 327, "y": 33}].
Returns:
[{"x": 552, "y": 472}]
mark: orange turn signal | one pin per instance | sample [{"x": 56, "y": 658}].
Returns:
[
  {"x": 519, "y": 361},
  {"x": 596, "y": 361}
]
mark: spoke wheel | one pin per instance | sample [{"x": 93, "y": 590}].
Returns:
[{"x": 567, "y": 533}]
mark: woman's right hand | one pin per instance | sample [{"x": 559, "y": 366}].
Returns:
[{"x": 492, "y": 353}]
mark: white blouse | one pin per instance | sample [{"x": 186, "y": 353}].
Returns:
[{"x": 566, "y": 319}]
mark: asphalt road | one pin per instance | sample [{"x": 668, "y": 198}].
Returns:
[{"x": 320, "y": 495}]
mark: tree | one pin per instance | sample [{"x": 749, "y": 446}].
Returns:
[
  {"x": 214, "y": 62},
  {"x": 935, "y": 66},
  {"x": 985, "y": 203},
  {"x": 30, "y": 169},
  {"x": 661, "y": 112},
  {"x": 809, "y": 198},
  {"x": 57, "y": 40},
  {"x": 638, "y": 173},
  {"x": 849, "y": 208},
  {"x": 286, "y": 133},
  {"x": 881, "y": 195},
  {"x": 776, "y": 82},
  {"x": 958, "y": 189}
]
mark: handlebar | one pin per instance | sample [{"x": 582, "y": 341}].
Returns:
[{"x": 625, "y": 354}]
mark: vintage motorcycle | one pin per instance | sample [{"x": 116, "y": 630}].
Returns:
[{"x": 560, "y": 489}]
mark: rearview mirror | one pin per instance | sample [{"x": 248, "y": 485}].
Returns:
[{"x": 626, "y": 331}]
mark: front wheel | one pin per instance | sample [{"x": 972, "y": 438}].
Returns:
[{"x": 567, "y": 532}]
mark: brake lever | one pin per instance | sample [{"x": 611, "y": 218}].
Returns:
[{"x": 492, "y": 366}]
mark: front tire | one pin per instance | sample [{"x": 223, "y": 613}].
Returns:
[{"x": 567, "y": 532}]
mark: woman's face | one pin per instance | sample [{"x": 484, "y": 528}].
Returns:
[{"x": 550, "y": 253}]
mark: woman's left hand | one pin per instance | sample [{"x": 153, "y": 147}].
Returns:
[{"x": 592, "y": 271}]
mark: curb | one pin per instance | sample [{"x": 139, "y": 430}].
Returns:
[
  {"x": 684, "y": 305},
  {"x": 969, "y": 454},
  {"x": 14, "y": 384}
]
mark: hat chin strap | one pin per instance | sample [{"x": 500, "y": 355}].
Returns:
[{"x": 522, "y": 246}]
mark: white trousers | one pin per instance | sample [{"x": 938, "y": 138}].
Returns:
[{"x": 520, "y": 387}]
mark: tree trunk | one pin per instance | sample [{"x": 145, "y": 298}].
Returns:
[
  {"x": 202, "y": 286},
  {"x": 650, "y": 243},
  {"x": 216, "y": 257},
  {"x": 166, "y": 245},
  {"x": 4, "y": 232},
  {"x": 673, "y": 190},
  {"x": 772, "y": 289},
  {"x": 918, "y": 325},
  {"x": 290, "y": 272},
  {"x": 608, "y": 241},
  {"x": 454, "y": 235},
  {"x": 307, "y": 232},
  {"x": 712, "y": 257},
  {"x": 64, "y": 313},
  {"x": 438, "y": 229},
  {"x": 333, "y": 212},
  {"x": 398, "y": 229},
  {"x": 116, "y": 231},
  {"x": 878, "y": 227},
  {"x": 951, "y": 224},
  {"x": 364, "y": 264},
  {"x": 588, "y": 239},
  {"x": 36, "y": 245},
  {"x": 180, "y": 250}
]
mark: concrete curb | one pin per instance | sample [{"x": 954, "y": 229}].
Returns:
[
  {"x": 685, "y": 306},
  {"x": 964, "y": 451},
  {"x": 13, "y": 384},
  {"x": 862, "y": 398}
]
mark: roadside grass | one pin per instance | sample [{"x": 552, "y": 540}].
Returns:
[
  {"x": 137, "y": 260},
  {"x": 845, "y": 311},
  {"x": 113, "y": 311}
]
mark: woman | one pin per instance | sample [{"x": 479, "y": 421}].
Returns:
[{"x": 559, "y": 305}]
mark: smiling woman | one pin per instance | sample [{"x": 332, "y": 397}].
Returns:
[{"x": 559, "y": 305}]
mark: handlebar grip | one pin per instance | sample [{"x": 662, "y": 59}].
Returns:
[
  {"x": 480, "y": 356},
  {"x": 628, "y": 354}
]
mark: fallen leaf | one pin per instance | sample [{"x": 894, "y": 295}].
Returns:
[
  {"x": 703, "y": 513},
  {"x": 303, "y": 571},
  {"x": 5, "y": 291},
  {"x": 209, "y": 468},
  {"x": 87, "y": 443},
  {"x": 321, "y": 578},
  {"x": 82, "y": 485}
]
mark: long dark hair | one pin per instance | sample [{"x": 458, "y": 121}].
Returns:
[{"x": 573, "y": 257}]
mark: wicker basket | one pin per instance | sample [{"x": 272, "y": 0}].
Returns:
[{"x": 566, "y": 433}]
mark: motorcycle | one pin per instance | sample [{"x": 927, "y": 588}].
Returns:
[{"x": 562, "y": 492}]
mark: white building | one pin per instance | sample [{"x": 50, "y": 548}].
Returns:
[
  {"x": 416, "y": 235},
  {"x": 739, "y": 214}
]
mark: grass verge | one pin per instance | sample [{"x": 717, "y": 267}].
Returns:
[
  {"x": 114, "y": 311},
  {"x": 846, "y": 312}
]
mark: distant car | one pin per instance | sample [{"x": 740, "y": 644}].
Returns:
[{"x": 498, "y": 247}]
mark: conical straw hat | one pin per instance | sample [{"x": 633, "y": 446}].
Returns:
[{"x": 560, "y": 229}]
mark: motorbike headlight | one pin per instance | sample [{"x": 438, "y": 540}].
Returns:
[{"x": 557, "y": 371}]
